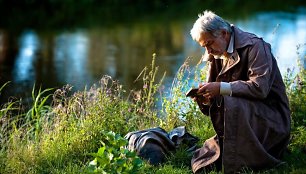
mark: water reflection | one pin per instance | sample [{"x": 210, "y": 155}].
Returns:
[
  {"x": 124, "y": 51},
  {"x": 82, "y": 57},
  {"x": 23, "y": 69},
  {"x": 284, "y": 31},
  {"x": 3, "y": 45},
  {"x": 70, "y": 58}
]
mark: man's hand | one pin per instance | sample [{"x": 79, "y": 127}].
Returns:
[
  {"x": 209, "y": 90},
  {"x": 201, "y": 100}
]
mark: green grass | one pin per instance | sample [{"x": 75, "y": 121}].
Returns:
[{"x": 61, "y": 137}]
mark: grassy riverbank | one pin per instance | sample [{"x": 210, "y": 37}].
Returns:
[{"x": 61, "y": 137}]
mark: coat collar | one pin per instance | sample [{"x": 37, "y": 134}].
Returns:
[{"x": 241, "y": 39}]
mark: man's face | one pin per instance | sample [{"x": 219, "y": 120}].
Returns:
[{"x": 215, "y": 46}]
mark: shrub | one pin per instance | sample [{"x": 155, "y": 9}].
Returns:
[{"x": 113, "y": 157}]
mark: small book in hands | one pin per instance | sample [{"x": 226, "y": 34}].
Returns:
[{"x": 193, "y": 92}]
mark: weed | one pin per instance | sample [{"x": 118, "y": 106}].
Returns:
[{"x": 113, "y": 157}]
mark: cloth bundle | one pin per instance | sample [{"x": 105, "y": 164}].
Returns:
[{"x": 155, "y": 144}]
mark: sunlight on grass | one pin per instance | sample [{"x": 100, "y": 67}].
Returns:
[{"x": 62, "y": 136}]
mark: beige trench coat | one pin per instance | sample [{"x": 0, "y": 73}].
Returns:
[{"x": 252, "y": 125}]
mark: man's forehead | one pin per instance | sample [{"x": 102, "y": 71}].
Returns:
[{"x": 206, "y": 36}]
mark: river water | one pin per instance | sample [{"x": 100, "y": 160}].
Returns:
[{"x": 80, "y": 57}]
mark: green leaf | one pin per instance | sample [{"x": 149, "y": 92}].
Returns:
[
  {"x": 122, "y": 142},
  {"x": 102, "y": 162},
  {"x": 101, "y": 151},
  {"x": 137, "y": 162},
  {"x": 131, "y": 154}
]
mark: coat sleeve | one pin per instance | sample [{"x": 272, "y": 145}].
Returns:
[{"x": 259, "y": 70}]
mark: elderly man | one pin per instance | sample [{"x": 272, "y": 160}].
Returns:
[{"x": 244, "y": 96}]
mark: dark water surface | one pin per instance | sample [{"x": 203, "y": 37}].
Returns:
[{"x": 81, "y": 56}]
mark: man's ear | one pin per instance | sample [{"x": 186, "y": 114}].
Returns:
[{"x": 224, "y": 32}]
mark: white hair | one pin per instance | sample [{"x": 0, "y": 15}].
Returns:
[{"x": 209, "y": 22}]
